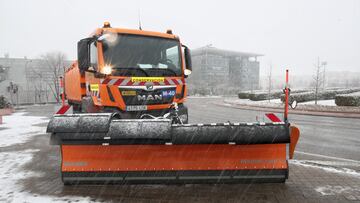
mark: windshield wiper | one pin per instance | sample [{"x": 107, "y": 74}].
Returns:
[
  {"x": 132, "y": 68},
  {"x": 166, "y": 69}
]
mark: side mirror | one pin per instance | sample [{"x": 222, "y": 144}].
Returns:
[
  {"x": 188, "y": 63},
  {"x": 83, "y": 48},
  {"x": 293, "y": 104}
]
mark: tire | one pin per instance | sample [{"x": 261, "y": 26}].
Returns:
[
  {"x": 76, "y": 110},
  {"x": 183, "y": 110},
  {"x": 76, "y": 107},
  {"x": 87, "y": 106}
]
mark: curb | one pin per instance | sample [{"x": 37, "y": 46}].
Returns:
[
  {"x": 7, "y": 111},
  {"x": 4, "y": 112},
  {"x": 291, "y": 111}
]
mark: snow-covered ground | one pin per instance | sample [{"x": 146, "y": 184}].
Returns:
[
  {"x": 204, "y": 96},
  {"x": 354, "y": 94},
  {"x": 264, "y": 103},
  {"x": 322, "y": 106},
  {"x": 18, "y": 129},
  {"x": 271, "y": 101},
  {"x": 328, "y": 166},
  {"x": 334, "y": 190},
  {"x": 276, "y": 102},
  {"x": 321, "y": 102},
  {"x": 11, "y": 174}
]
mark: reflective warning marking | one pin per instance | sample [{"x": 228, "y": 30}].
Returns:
[
  {"x": 131, "y": 81},
  {"x": 147, "y": 79},
  {"x": 94, "y": 87},
  {"x": 128, "y": 93}
]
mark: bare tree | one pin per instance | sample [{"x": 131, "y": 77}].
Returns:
[
  {"x": 355, "y": 82},
  {"x": 324, "y": 63},
  {"x": 37, "y": 78},
  {"x": 13, "y": 90},
  {"x": 270, "y": 82},
  {"x": 55, "y": 63},
  {"x": 44, "y": 75},
  {"x": 318, "y": 79}
]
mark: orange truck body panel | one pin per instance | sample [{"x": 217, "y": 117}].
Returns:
[
  {"x": 77, "y": 85},
  {"x": 99, "y": 31},
  {"x": 104, "y": 98},
  {"x": 73, "y": 80}
]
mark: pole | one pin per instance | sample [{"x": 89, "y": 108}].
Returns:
[
  {"x": 324, "y": 76},
  {"x": 270, "y": 77},
  {"x": 317, "y": 82},
  {"x": 27, "y": 81},
  {"x": 62, "y": 91},
  {"x": 286, "y": 96}
]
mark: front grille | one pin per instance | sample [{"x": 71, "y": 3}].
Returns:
[{"x": 133, "y": 96}]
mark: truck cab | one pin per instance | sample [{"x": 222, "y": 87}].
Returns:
[{"x": 131, "y": 72}]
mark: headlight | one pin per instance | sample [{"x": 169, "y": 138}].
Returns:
[
  {"x": 107, "y": 69},
  {"x": 187, "y": 72}
]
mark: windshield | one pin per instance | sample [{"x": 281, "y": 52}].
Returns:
[{"x": 135, "y": 55}]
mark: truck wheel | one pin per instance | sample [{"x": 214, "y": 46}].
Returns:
[
  {"x": 76, "y": 106},
  {"x": 87, "y": 106},
  {"x": 183, "y": 113}
]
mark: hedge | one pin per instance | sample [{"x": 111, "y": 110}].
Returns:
[
  {"x": 352, "y": 99},
  {"x": 323, "y": 95},
  {"x": 258, "y": 96}
]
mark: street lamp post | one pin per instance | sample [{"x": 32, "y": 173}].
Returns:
[
  {"x": 27, "y": 80},
  {"x": 324, "y": 63}
]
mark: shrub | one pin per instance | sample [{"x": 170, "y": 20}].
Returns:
[
  {"x": 324, "y": 95},
  {"x": 4, "y": 103},
  {"x": 352, "y": 99},
  {"x": 258, "y": 96}
]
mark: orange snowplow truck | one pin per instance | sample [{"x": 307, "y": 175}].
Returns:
[
  {"x": 130, "y": 124},
  {"x": 130, "y": 72}
]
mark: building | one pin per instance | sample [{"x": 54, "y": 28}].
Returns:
[
  {"x": 28, "y": 81},
  {"x": 216, "y": 71}
]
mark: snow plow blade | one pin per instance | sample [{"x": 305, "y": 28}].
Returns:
[{"x": 100, "y": 148}]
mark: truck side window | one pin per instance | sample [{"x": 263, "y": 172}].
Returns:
[
  {"x": 93, "y": 55},
  {"x": 172, "y": 54}
]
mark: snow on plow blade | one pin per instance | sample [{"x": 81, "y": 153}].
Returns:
[{"x": 101, "y": 148}]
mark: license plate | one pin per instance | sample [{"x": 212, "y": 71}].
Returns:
[
  {"x": 168, "y": 93},
  {"x": 136, "y": 108}
]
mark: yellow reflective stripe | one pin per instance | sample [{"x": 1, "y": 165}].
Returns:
[
  {"x": 94, "y": 87},
  {"x": 128, "y": 93},
  {"x": 147, "y": 79}
]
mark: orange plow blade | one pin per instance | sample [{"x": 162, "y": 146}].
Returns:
[
  {"x": 103, "y": 149},
  {"x": 175, "y": 163}
]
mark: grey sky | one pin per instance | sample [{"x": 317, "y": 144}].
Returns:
[{"x": 289, "y": 33}]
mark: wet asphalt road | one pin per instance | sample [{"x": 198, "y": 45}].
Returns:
[
  {"x": 330, "y": 136},
  {"x": 326, "y": 148}
]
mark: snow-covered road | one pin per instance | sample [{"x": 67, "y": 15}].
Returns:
[
  {"x": 326, "y": 165},
  {"x": 16, "y": 130}
]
